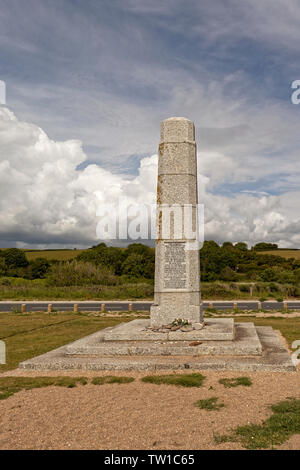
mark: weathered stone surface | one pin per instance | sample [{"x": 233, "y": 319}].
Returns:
[
  {"x": 177, "y": 267},
  {"x": 246, "y": 342},
  {"x": 274, "y": 356},
  {"x": 198, "y": 326},
  {"x": 215, "y": 329},
  {"x": 185, "y": 329}
]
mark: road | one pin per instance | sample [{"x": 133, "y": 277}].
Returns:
[{"x": 141, "y": 306}]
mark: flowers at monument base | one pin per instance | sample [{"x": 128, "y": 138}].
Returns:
[{"x": 179, "y": 324}]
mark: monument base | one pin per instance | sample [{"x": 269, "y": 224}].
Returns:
[
  {"x": 221, "y": 345},
  {"x": 137, "y": 330},
  {"x": 163, "y": 314}
]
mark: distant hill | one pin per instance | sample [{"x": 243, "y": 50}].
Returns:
[
  {"x": 61, "y": 255},
  {"x": 283, "y": 252}
]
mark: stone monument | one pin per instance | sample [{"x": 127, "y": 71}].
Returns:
[
  {"x": 159, "y": 343},
  {"x": 177, "y": 260}
]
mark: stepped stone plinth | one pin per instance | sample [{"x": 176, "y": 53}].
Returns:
[{"x": 210, "y": 343}]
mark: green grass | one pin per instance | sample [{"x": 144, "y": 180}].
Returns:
[
  {"x": 181, "y": 380},
  {"x": 11, "y": 385},
  {"x": 278, "y": 428},
  {"x": 24, "y": 289},
  {"x": 32, "y": 334},
  {"x": 112, "y": 380},
  {"x": 235, "y": 382},
  {"x": 39, "y": 289},
  {"x": 209, "y": 404}
]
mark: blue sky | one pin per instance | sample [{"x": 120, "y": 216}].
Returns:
[{"x": 106, "y": 72}]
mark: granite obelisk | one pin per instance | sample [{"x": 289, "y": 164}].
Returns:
[{"x": 177, "y": 261}]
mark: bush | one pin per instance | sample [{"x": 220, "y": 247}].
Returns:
[
  {"x": 137, "y": 260},
  {"x": 138, "y": 266},
  {"x": 227, "y": 274},
  {"x": 265, "y": 246},
  {"x": 38, "y": 268},
  {"x": 75, "y": 273},
  {"x": 15, "y": 258},
  {"x": 244, "y": 288},
  {"x": 2, "y": 266}
]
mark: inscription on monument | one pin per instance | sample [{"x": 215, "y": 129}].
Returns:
[{"x": 175, "y": 270}]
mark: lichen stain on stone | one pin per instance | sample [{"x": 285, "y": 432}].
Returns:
[
  {"x": 161, "y": 150},
  {"x": 159, "y": 189},
  {"x": 159, "y": 234}
]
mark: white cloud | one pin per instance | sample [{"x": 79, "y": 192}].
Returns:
[{"x": 44, "y": 200}]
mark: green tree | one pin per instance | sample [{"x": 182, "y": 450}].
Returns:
[
  {"x": 227, "y": 274},
  {"x": 38, "y": 268},
  {"x": 227, "y": 245},
  {"x": 2, "y": 266},
  {"x": 241, "y": 246},
  {"x": 101, "y": 255},
  {"x": 15, "y": 258},
  {"x": 265, "y": 246},
  {"x": 136, "y": 265}
]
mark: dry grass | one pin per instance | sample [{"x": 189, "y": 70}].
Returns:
[
  {"x": 60, "y": 255},
  {"x": 281, "y": 252}
]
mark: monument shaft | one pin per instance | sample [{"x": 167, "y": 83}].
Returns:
[{"x": 177, "y": 262}]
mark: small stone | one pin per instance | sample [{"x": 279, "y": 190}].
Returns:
[
  {"x": 198, "y": 326},
  {"x": 195, "y": 343},
  {"x": 175, "y": 328},
  {"x": 187, "y": 328},
  {"x": 164, "y": 330}
]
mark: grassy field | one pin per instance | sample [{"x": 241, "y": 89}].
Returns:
[
  {"x": 29, "y": 335},
  {"x": 285, "y": 253},
  {"x": 24, "y": 289},
  {"x": 37, "y": 289},
  {"x": 32, "y": 334},
  {"x": 60, "y": 255}
]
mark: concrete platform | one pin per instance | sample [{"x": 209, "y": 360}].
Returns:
[
  {"x": 246, "y": 342},
  {"x": 216, "y": 329},
  {"x": 274, "y": 357}
]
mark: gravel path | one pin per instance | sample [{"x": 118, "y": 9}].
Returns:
[{"x": 138, "y": 415}]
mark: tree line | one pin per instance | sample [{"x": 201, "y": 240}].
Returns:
[{"x": 106, "y": 264}]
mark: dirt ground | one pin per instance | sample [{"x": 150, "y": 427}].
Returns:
[{"x": 138, "y": 415}]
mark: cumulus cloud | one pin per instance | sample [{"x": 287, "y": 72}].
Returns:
[{"x": 46, "y": 201}]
